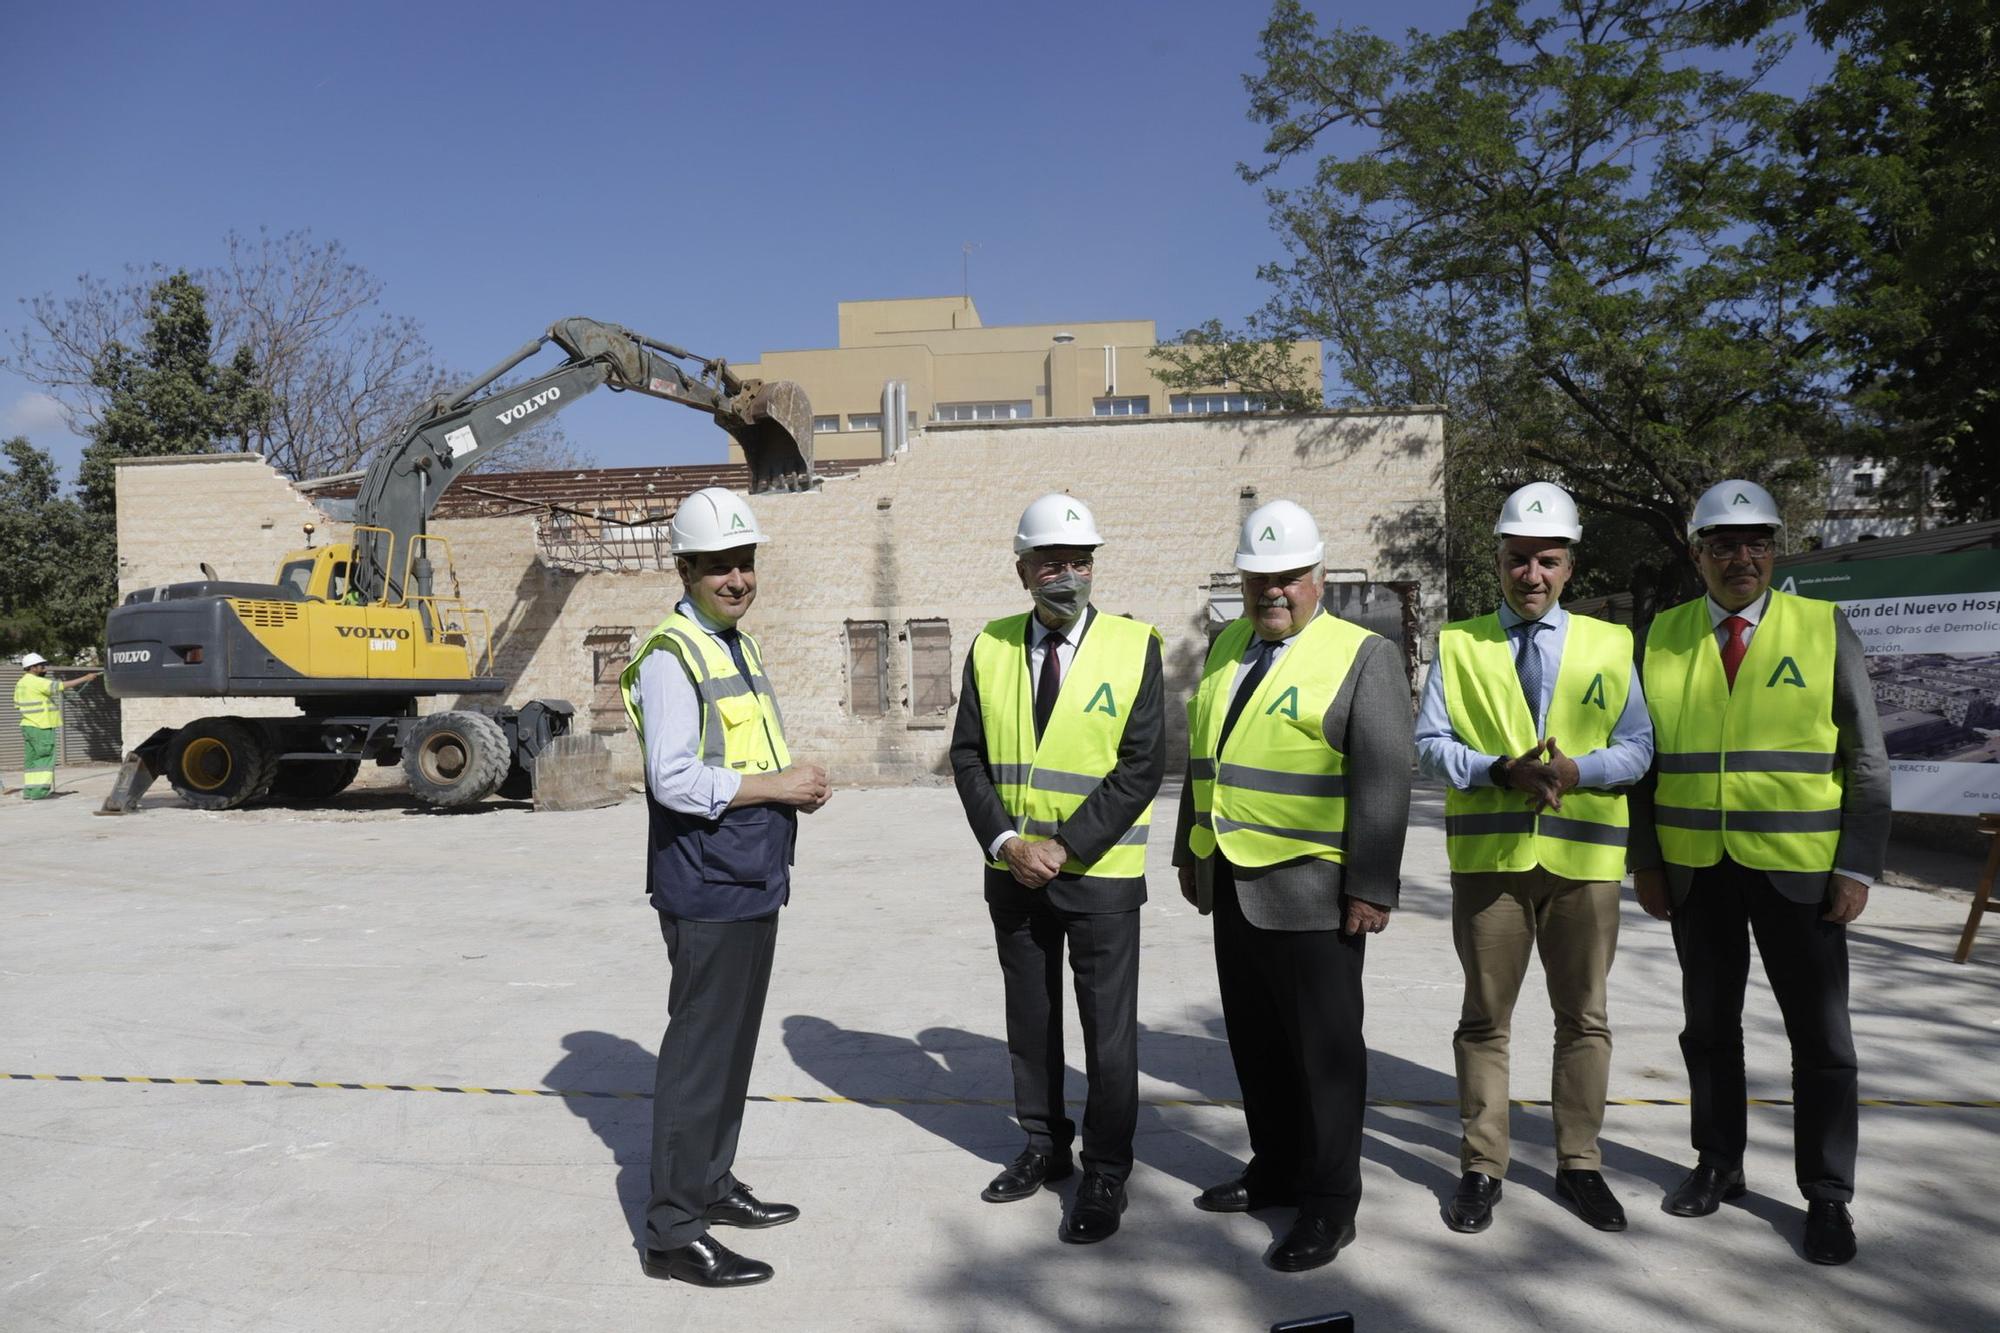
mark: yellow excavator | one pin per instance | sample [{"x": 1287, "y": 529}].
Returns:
[{"x": 357, "y": 632}]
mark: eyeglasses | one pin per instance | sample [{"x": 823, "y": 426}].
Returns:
[
  {"x": 1082, "y": 564},
  {"x": 1723, "y": 549}
]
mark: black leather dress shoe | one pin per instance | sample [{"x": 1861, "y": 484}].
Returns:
[
  {"x": 1829, "y": 1233},
  {"x": 1311, "y": 1243},
  {"x": 1471, "y": 1208},
  {"x": 1093, "y": 1214},
  {"x": 1026, "y": 1174},
  {"x": 1236, "y": 1196},
  {"x": 1592, "y": 1198},
  {"x": 706, "y": 1263},
  {"x": 1704, "y": 1190},
  {"x": 741, "y": 1208}
]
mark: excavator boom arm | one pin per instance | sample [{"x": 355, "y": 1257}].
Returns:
[{"x": 773, "y": 423}]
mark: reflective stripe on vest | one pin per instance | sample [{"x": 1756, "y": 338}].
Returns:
[
  {"x": 40, "y": 701},
  {"x": 1491, "y": 828},
  {"x": 741, "y": 727},
  {"x": 1280, "y": 792},
  {"x": 1754, "y": 772},
  {"x": 1042, "y": 784}
]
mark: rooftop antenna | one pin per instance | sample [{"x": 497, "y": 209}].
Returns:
[{"x": 965, "y": 272}]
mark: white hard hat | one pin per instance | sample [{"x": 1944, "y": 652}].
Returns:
[
  {"x": 1278, "y": 536},
  {"x": 714, "y": 518},
  {"x": 1734, "y": 504},
  {"x": 1539, "y": 509},
  {"x": 32, "y": 659},
  {"x": 1056, "y": 520}
]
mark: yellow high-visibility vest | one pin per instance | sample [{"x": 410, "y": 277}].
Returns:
[
  {"x": 1754, "y": 772},
  {"x": 741, "y": 727},
  {"x": 1041, "y": 783},
  {"x": 40, "y": 701},
  {"x": 1491, "y": 828},
  {"x": 1278, "y": 790}
]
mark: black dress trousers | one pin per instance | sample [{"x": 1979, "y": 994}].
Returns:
[
  {"x": 1292, "y": 1006},
  {"x": 1806, "y": 960},
  {"x": 1104, "y": 955},
  {"x": 715, "y": 1004}
]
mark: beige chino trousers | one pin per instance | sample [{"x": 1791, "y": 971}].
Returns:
[{"x": 1497, "y": 922}]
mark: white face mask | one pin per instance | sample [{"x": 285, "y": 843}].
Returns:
[{"x": 1063, "y": 597}]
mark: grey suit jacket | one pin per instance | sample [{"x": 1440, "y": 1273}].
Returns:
[
  {"x": 1095, "y": 826},
  {"x": 1370, "y": 722},
  {"x": 1864, "y": 808}
]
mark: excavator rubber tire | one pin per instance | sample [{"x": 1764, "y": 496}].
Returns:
[
  {"x": 312, "y": 779},
  {"x": 456, "y": 758},
  {"x": 220, "y": 763}
]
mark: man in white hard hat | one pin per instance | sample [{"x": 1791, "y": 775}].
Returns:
[
  {"x": 1057, "y": 752},
  {"x": 1534, "y": 720},
  {"x": 722, "y": 797},
  {"x": 1766, "y": 815},
  {"x": 38, "y": 696},
  {"x": 1291, "y": 832}
]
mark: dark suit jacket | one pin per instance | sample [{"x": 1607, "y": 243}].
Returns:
[
  {"x": 1864, "y": 807},
  {"x": 1370, "y": 722},
  {"x": 1098, "y": 823}
]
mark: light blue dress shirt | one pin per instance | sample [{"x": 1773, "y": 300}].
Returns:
[
  {"x": 674, "y": 771},
  {"x": 1442, "y": 755}
]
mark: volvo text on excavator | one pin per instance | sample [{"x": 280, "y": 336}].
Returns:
[{"x": 357, "y": 632}]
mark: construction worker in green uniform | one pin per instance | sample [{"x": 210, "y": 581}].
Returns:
[{"x": 39, "y": 697}]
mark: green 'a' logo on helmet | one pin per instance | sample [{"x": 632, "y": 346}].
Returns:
[
  {"x": 1071, "y": 516},
  {"x": 1741, "y": 499},
  {"x": 735, "y": 522},
  {"x": 1535, "y": 508},
  {"x": 1289, "y": 701},
  {"x": 1104, "y": 697},
  {"x": 1595, "y": 694},
  {"x": 1268, "y": 535},
  {"x": 1788, "y": 671}
]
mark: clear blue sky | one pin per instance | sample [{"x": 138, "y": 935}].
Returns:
[{"x": 715, "y": 175}]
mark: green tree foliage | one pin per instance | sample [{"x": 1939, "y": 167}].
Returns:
[
  {"x": 1900, "y": 167},
  {"x": 40, "y": 532},
  {"x": 166, "y": 398},
  {"x": 1554, "y": 221}
]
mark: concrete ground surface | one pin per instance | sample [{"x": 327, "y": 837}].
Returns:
[{"x": 371, "y": 942}]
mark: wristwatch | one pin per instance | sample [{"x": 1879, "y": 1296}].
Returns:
[{"x": 1497, "y": 771}]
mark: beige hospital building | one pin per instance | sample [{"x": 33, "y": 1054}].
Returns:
[{"x": 875, "y": 583}]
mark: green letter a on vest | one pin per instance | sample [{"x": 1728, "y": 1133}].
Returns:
[
  {"x": 1289, "y": 701},
  {"x": 1788, "y": 671},
  {"x": 1595, "y": 694},
  {"x": 1103, "y": 696}
]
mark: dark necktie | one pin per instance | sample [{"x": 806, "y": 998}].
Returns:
[
  {"x": 733, "y": 638},
  {"x": 1049, "y": 685},
  {"x": 1528, "y": 666},
  {"x": 1738, "y": 644},
  {"x": 1260, "y": 666}
]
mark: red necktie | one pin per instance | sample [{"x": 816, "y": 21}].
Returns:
[{"x": 1739, "y": 644}]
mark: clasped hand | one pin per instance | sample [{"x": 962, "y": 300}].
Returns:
[
  {"x": 1034, "y": 863},
  {"x": 1544, "y": 772}
]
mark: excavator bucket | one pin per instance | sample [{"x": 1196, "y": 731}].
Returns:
[{"x": 773, "y": 423}]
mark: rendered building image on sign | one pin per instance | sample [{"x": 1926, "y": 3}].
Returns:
[{"x": 1931, "y": 625}]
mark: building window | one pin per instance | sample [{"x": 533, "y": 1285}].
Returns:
[
  {"x": 1864, "y": 483},
  {"x": 867, "y": 668},
  {"x": 1122, "y": 407},
  {"x": 610, "y": 649},
  {"x": 864, "y": 421},
  {"x": 1020, "y": 411},
  {"x": 823, "y": 425},
  {"x": 1204, "y": 404},
  {"x": 930, "y": 666}
]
